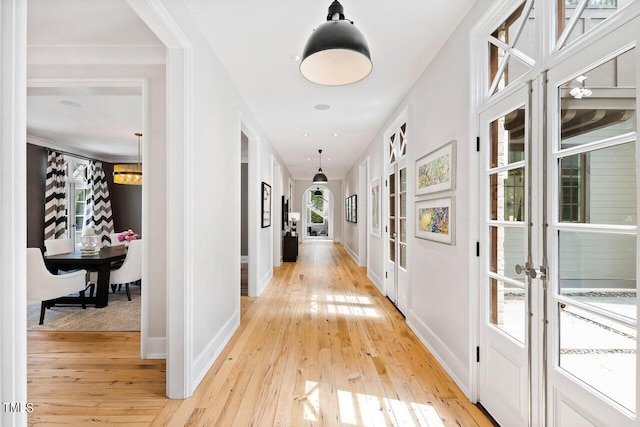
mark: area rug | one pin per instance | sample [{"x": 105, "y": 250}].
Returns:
[{"x": 119, "y": 315}]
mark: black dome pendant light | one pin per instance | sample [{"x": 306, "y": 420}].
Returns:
[
  {"x": 336, "y": 53},
  {"x": 320, "y": 177},
  {"x": 318, "y": 192}
]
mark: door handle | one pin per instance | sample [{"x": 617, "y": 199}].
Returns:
[{"x": 532, "y": 272}]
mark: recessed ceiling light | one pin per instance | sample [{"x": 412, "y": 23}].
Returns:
[
  {"x": 322, "y": 107},
  {"x": 70, "y": 103},
  {"x": 295, "y": 58},
  {"x": 335, "y": 134},
  {"x": 305, "y": 134}
]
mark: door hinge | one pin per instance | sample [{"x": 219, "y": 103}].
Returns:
[
  {"x": 478, "y": 143},
  {"x": 386, "y": 274},
  {"x": 478, "y": 249},
  {"x": 385, "y": 183},
  {"x": 478, "y": 354},
  {"x": 386, "y": 229}
]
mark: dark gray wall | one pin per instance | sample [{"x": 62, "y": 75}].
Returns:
[
  {"x": 126, "y": 200},
  {"x": 36, "y": 179},
  {"x": 244, "y": 209},
  {"x": 126, "y": 203}
]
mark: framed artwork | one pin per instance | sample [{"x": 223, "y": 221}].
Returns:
[
  {"x": 435, "y": 220},
  {"x": 374, "y": 208},
  {"x": 266, "y": 205},
  {"x": 347, "y": 208},
  {"x": 285, "y": 213},
  {"x": 436, "y": 171},
  {"x": 351, "y": 208}
]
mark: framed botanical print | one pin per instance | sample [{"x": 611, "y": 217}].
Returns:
[
  {"x": 436, "y": 171},
  {"x": 435, "y": 220},
  {"x": 266, "y": 205}
]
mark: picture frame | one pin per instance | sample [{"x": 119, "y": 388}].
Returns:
[
  {"x": 347, "y": 209},
  {"x": 435, "y": 220},
  {"x": 374, "y": 207},
  {"x": 266, "y": 205},
  {"x": 351, "y": 208},
  {"x": 436, "y": 170}
]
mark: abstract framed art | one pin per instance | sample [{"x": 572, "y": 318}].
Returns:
[
  {"x": 435, "y": 220},
  {"x": 266, "y": 205},
  {"x": 436, "y": 171}
]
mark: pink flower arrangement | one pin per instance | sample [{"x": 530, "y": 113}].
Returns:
[{"x": 127, "y": 236}]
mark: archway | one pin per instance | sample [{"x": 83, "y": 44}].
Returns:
[{"x": 317, "y": 213}]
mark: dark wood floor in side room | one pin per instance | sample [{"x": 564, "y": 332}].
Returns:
[{"x": 321, "y": 346}]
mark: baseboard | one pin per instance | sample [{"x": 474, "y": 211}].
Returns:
[
  {"x": 375, "y": 280},
  {"x": 206, "y": 359},
  {"x": 440, "y": 351},
  {"x": 155, "y": 348},
  {"x": 262, "y": 285},
  {"x": 353, "y": 255}
]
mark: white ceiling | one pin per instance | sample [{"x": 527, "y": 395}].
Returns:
[{"x": 255, "y": 41}]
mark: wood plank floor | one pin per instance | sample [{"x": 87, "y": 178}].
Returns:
[{"x": 320, "y": 347}]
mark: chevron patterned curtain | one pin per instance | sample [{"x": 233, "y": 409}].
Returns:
[
  {"x": 98, "y": 214},
  {"x": 55, "y": 219}
]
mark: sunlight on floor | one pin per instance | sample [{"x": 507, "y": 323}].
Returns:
[
  {"x": 348, "y": 305},
  {"x": 368, "y": 410}
]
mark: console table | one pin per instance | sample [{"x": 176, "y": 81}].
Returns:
[{"x": 290, "y": 248}]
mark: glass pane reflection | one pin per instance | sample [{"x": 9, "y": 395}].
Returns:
[
  {"x": 600, "y": 352},
  {"x": 599, "y": 269},
  {"x": 508, "y": 309},
  {"x": 599, "y": 187},
  {"x": 599, "y": 103}
]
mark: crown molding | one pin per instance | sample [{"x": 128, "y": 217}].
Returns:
[{"x": 75, "y": 150}]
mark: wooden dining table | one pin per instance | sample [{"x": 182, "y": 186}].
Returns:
[{"x": 100, "y": 262}]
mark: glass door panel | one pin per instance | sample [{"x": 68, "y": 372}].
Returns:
[
  {"x": 593, "y": 247},
  {"x": 504, "y": 293},
  {"x": 402, "y": 218}
]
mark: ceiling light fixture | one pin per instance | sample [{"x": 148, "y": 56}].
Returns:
[
  {"x": 320, "y": 177},
  {"x": 336, "y": 53},
  {"x": 318, "y": 192},
  {"x": 581, "y": 92},
  {"x": 129, "y": 174}
]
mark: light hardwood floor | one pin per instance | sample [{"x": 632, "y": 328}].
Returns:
[{"x": 320, "y": 347}]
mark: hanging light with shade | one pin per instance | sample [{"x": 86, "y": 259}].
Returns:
[
  {"x": 320, "y": 177},
  {"x": 336, "y": 53},
  {"x": 129, "y": 174},
  {"x": 318, "y": 192}
]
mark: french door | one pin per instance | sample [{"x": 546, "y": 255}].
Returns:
[
  {"x": 395, "y": 198},
  {"x": 504, "y": 385},
  {"x": 558, "y": 284},
  {"x": 396, "y": 280}
]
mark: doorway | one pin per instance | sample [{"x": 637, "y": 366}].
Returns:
[
  {"x": 318, "y": 213},
  {"x": 244, "y": 215}
]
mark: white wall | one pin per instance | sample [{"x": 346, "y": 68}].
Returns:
[
  {"x": 350, "y": 235},
  {"x": 13, "y": 211},
  {"x": 438, "y": 112},
  {"x": 212, "y": 195}
]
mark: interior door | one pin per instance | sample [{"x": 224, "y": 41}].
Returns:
[
  {"x": 391, "y": 235},
  {"x": 592, "y": 238},
  {"x": 396, "y": 276},
  {"x": 504, "y": 343}
]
